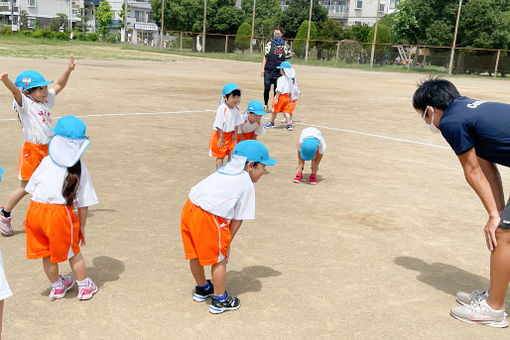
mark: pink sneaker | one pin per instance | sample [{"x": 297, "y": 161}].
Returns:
[
  {"x": 60, "y": 292},
  {"x": 88, "y": 291},
  {"x": 298, "y": 178},
  {"x": 312, "y": 179},
  {"x": 5, "y": 225}
]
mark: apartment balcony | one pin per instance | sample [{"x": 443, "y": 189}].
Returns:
[
  {"x": 140, "y": 5},
  {"x": 337, "y": 11}
]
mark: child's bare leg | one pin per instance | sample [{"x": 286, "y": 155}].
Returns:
[
  {"x": 219, "y": 277},
  {"x": 51, "y": 269},
  {"x": 1, "y": 316},
  {"x": 301, "y": 164},
  {"x": 198, "y": 272},
  {"x": 219, "y": 162},
  {"x": 78, "y": 267},
  {"x": 288, "y": 117},
  {"x": 315, "y": 163},
  {"x": 273, "y": 117},
  {"x": 15, "y": 197}
]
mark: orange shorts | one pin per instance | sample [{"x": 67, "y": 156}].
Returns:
[
  {"x": 52, "y": 230},
  {"x": 30, "y": 157},
  {"x": 246, "y": 136},
  {"x": 284, "y": 104},
  {"x": 205, "y": 236},
  {"x": 228, "y": 147}
]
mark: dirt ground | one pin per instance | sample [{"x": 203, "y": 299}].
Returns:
[{"x": 376, "y": 250}]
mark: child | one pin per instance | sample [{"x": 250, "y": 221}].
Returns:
[
  {"x": 224, "y": 135},
  {"x": 54, "y": 232},
  {"x": 311, "y": 147},
  {"x": 251, "y": 127},
  {"x": 212, "y": 216},
  {"x": 5, "y": 290},
  {"x": 32, "y": 101},
  {"x": 287, "y": 92}
]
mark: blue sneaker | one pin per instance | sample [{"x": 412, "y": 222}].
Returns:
[
  {"x": 269, "y": 125},
  {"x": 202, "y": 294},
  {"x": 230, "y": 303}
]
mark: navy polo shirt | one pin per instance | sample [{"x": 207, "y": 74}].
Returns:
[{"x": 469, "y": 123}]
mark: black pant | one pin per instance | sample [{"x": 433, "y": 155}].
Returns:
[{"x": 267, "y": 87}]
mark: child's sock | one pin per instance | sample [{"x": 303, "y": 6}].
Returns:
[
  {"x": 6, "y": 214},
  {"x": 57, "y": 283},
  {"x": 84, "y": 283},
  {"x": 220, "y": 298},
  {"x": 206, "y": 286}
]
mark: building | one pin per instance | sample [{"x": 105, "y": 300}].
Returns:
[{"x": 140, "y": 27}]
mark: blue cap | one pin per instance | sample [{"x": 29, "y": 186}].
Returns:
[
  {"x": 1, "y": 172},
  {"x": 284, "y": 64},
  {"x": 30, "y": 79},
  {"x": 256, "y": 107},
  {"x": 70, "y": 127},
  {"x": 229, "y": 88},
  {"x": 254, "y": 151},
  {"x": 309, "y": 148}
]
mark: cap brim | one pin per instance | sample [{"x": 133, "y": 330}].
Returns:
[
  {"x": 66, "y": 152},
  {"x": 39, "y": 84},
  {"x": 258, "y": 113},
  {"x": 269, "y": 161}
]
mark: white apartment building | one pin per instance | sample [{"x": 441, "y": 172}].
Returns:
[{"x": 140, "y": 28}]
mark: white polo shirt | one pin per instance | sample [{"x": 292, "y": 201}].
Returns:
[
  {"x": 227, "y": 119},
  {"x": 47, "y": 182},
  {"x": 35, "y": 118},
  {"x": 284, "y": 85},
  {"x": 248, "y": 127},
  {"x": 312, "y": 132}
]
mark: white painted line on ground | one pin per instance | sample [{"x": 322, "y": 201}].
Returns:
[{"x": 313, "y": 125}]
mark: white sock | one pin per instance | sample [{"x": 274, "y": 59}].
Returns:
[
  {"x": 57, "y": 283},
  {"x": 83, "y": 283}
]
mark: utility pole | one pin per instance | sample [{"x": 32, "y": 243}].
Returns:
[
  {"x": 450, "y": 67},
  {"x": 70, "y": 25},
  {"x": 204, "y": 26},
  {"x": 252, "y": 26},
  {"x": 162, "y": 22},
  {"x": 375, "y": 34},
  {"x": 12, "y": 15},
  {"x": 124, "y": 22},
  {"x": 308, "y": 32}
]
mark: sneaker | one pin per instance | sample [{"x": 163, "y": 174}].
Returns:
[
  {"x": 87, "y": 292},
  {"x": 202, "y": 294},
  {"x": 298, "y": 178},
  {"x": 481, "y": 313},
  {"x": 60, "y": 292},
  {"x": 265, "y": 108},
  {"x": 289, "y": 127},
  {"x": 230, "y": 303},
  {"x": 312, "y": 179},
  {"x": 5, "y": 225},
  {"x": 465, "y": 299},
  {"x": 269, "y": 125}
]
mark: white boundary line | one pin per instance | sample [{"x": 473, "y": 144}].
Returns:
[{"x": 402, "y": 140}]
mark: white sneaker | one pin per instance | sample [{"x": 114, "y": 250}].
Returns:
[
  {"x": 465, "y": 299},
  {"x": 481, "y": 313},
  {"x": 5, "y": 225}
]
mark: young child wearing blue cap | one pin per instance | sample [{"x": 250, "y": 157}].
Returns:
[
  {"x": 32, "y": 101},
  {"x": 311, "y": 147},
  {"x": 251, "y": 126},
  {"x": 212, "y": 215},
  {"x": 226, "y": 124},
  {"x": 59, "y": 185},
  {"x": 287, "y": 93}
]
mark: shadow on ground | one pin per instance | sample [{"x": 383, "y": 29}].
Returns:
[{"x": 247, "y": 280}]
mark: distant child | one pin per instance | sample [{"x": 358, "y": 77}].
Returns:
[
  {"x": 60, "y": 184},
  {"x": 32, "y": 101},
  {"x": 287, "y": 93},
  {"x": 212, "y": 216},
  {"x": 251, "y": 126},
  {"x": 311, "y": 147},
  {"x": 5, "y": 290},
  {"x": 224, "y": 135}
]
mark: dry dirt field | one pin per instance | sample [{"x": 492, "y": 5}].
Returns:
[{"x": 377, "y": 250}]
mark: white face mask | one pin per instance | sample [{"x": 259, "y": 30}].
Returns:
[{"x": 431, "y": 126}]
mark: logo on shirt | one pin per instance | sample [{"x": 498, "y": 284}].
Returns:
[{"x": 476, "y": 104}]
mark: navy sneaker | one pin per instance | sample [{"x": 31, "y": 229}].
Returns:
[
  {"x": 202, "y": 294},
  {"x": 230, "y": 303},
  {"x": 289, "y": 127},
  {"x": 269, "y": 125}
]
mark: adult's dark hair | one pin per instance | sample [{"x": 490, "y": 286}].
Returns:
[
  {"x": 278, "y": 28},
  {"x": 435, "y": 92},
  {"x": 71, "y": 183},
  {"x": 234, "y": 93}
]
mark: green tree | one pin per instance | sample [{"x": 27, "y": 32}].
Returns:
[
  {"x": 406, "y": 26},
  {"x": 297, "y": 13},
  {"x": 242, "y": 41},
  {"x": 227, "y": 20},
  {"x": 383, "y": 34},
  {"x": 299, "y": 44},
  {"x": 330, "y": 30},
  {"x": 268, "y": 14},
  {"x": 123, "y": 14},
  {"x": 104, "y": 18},
  {"x": 59, "y": 23},
  {"x": 358, "y": 32}
]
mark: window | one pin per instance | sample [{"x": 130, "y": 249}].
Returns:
[
  {"x": 139, "y": 16},
  {"x": 393, "y": 4},
  {"x": 32, "y": 3},
  {"x": 381, "y": 8},
  {"x": 359, "y": 4}
]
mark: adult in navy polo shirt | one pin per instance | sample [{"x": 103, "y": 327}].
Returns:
[{"x": 479, "y": 133}]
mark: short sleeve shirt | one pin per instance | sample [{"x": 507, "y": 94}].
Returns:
[
  {"x": 469, "y": 123},
  {"x": 287, "y": 51},
  {"x": 248, "y": 127},
  {"x": 312, "y": 132},
  {"x": 35, "y": 118},
  {"x": 227, "y": 119},
  {"x": 284, "y": 85}
]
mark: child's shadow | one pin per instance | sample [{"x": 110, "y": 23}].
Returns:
[
  {"x": 247, "y": 280},
  {"x": 104, "y": 269}
]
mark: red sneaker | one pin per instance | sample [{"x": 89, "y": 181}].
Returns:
[
  {"x": 298, "y": 178},
  {"x": 312, "y": 179},
  {"x": 60, "y": 292}
]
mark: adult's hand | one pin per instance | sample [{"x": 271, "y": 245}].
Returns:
[
  {"x": 490, "y": 232},
  {"x": 262, "y": 73}
]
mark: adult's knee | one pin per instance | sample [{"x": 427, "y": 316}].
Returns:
[{"x": 503, "y": 236}]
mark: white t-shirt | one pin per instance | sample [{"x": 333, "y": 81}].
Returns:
[
  {"x": 248, "y": 127},
  {"x": 229, "y": 196},
  {"x": 312, "y": 132},
  {"x": 35, "y": 118},
  {"x": 47, "y": 182},
  {"x": 227, "y": 119},
  {"x": 5, "y": 290},
  {"x": 284, "y": 85}
]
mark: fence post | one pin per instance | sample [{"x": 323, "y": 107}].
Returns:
[
  {"x": 497, "y": 64},
  {"x": 180, "y": 42},
  {"x": 337, "y": 51},
  {"x": 226, "y": 44}
]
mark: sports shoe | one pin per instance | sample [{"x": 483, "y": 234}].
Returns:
[
  {"x": 5, "y": 225},
  {"x": 481, "y": 313},
  {"x": 289, "y": 127},
  {"x": 230, "y": 303},
  {"x": 298, "y": 178},
  {"x": 465, "y": 299},
  {"x": 312, "y": 179},
  {"x": 265, "y": 108},
  {"x": 202, "y": 294},
  {"x": 60, "y": 292},
  {"x": 88, "y": 291},
  {"x": 269, "y": 125}
]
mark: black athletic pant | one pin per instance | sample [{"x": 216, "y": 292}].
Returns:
[{"x": 267, "y": 87}]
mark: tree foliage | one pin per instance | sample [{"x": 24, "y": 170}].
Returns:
[
  {"x": 242, "y": 41},
  {"x": 298, "y": 12},
  {"x": 299, "y": 44},
  {"x": 104, "y": 18}
]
